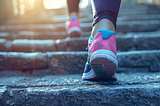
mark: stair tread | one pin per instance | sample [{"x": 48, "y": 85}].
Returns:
[
  {"x": 130, "y": 78},
  {"x": 43, "y": 77},
  {"x": 125, "y": 42},
  {"x": 73, "y": 62},
  {"x": 124, "y": 26},
  {"x": 130, "y": 89}
]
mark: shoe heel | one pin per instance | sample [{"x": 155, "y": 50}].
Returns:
[
  {"x": 104, "y": 63},
  {"x": 74, "y": 34}
]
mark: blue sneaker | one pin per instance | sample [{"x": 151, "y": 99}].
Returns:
[{"x": 88, "y": 72}]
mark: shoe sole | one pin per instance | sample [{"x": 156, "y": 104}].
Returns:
[
  {"x": 90, "y": 75},
  {"x": 75, "y": 34},
  {"x": 104, "y": 64}
]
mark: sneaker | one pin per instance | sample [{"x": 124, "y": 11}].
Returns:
[
  {"x": 73, "y": 27},
  {"x": 102, "y": 61}
]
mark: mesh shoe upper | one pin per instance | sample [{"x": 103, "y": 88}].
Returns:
[
  {"x": 73, "y": 25},
  {"x": 104, "y": 39}
]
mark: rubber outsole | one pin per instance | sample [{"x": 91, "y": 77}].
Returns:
[
  {"x": 90, "y": 75},
  {"x": 104, "y": 65},
  {"x": 104, "y": 68},
  {"x": 74, "y": 34}
]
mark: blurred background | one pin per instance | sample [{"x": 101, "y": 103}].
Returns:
[
  {"x": 38, "y": 26},
  {"x": 10, "y": 9},
  {"x": 34, "y": 20}
]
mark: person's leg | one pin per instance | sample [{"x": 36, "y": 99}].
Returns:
[
  {"x": 73, "y": 8},
  {"x": 73, "y": 25},
  {"x": 105, "y": 14},
  {"x": 102, "y": 61}
]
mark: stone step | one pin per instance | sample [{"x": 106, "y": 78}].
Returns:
[
  {"x": 73, "y": 62},
  {"x": 124, "y": 26},
  {"x": 138, "y": 17},
  {"x": 56, "y": 13},
  {"x": 138, "y": 5},
  {"x": 52, "y": 13},
  {"x": 45, "y": 19},
  {"x": 138, "y": 26},
  {"x": 70, "y": 90},
  {"x": 140, "y": 11},
  {"x": 31, "y": 27},
  {"x": 88, "y": 18},
  {"x": 127, "y": 42},
  {"x": 31, "y": 35}
]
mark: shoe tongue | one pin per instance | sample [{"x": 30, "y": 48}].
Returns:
[
  {"x": 106, "y": 33},
  {"x": 90, "y": 39},
  {"x": 73, "y": 17}
]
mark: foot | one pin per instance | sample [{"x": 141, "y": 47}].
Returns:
[
  {"x": 102, "y": 61},
  {"x": 73, "y": 27}
]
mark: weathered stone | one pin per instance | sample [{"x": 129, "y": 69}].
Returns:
[
  {"x": 138, "y": 26},
  {"x": 41, "y": 35},
  {"x": 2, "y": 91},
  {"x": 139, "y": 17},
  {"x": 26, "y": 61},
  {"x": 130, "y": 89},
  {"x": 139, "y": 12},
  {"x": 84, "y": 26},
  {"x": 67, "y": 62},
  {"x": 72, "y": 44},
  {"x": 14, "y": 97},
  {"x": 139, "y": 41},
  {"x": 138, "y": 9},
  {"x": 33, "y": 46},
  {"x": 133, "y": 15},
  {"x": 127, "y": 42},
  {"x": 117, "y": 96},
  {"x": 122, "y": 26},
  {"x": 149, "y": 42},
  {"x": 60, "y": 17},
  {"x": 48, "y": 18},
  {"x": 73, "y": 62},
  {"x": 4, "y": 35},
  {"x": 75, "y": 80},
  {"x": 45, "y": 35},
  {"x": 5, "y": 46},
  {"x": 31, "y": 27},
  {"x": 3, "y": 60},
  {"x": 60, "y": 45},
  {"x": 77, "y": 44},
  {"x": 140, "y": 59}
]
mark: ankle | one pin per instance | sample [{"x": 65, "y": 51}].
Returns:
[
  {"x": 104, "y": 24},
  {"x": 73, "y": 14}
]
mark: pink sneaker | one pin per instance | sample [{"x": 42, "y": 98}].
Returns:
[
  {"x": 73, "y": 27},
  {"x": 103, "y": 58}
]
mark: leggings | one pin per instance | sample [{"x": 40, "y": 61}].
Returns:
[
  {"x": 102, "y": 9},
  {"x": 73, "y": 6}
]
